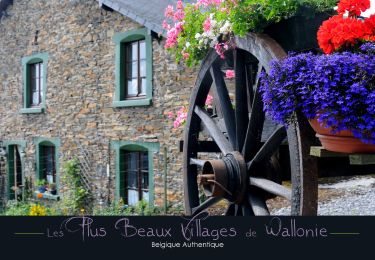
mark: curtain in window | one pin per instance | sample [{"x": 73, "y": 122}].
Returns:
[{"x": 135, "y": 176}]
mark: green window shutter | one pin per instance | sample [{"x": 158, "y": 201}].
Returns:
[
  {"x": 11, "y": 193},
  {"x": 121, "y": 176}
]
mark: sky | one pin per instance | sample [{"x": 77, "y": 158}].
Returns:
[{"x": 372, "y": 9}]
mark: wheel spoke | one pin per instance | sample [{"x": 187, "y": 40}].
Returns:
[
  {"x": 224, "y": 102},
  {"x": 238, "y": 210},
  {"x": 270, "y": 147},
  {"x": 246, "y": 210},
  {"x": 271, "y": 187},
  {"x": 258, "y": 205},
  {"x": 205, "y": 205},
  {"x": 214, "y": 131},
  {"x": 242, "y": 118},
  {"x": 230, "y": 210},
  {"x": 255, "y": 126},
  {"x": 197, "y": 162}
]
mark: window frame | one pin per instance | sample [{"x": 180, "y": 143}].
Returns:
[
  {"x": 140, "y": 174},
  {"x": 39, "y": 143},
  {"x": 139, "y": 77},
  {"x": 38, "y": 81},
  {"x": 121, "y": 40},
  {"x": 27, "y": 62},
  {"x": 46, "y": 149},
  {"x": 151, "y": 148}
]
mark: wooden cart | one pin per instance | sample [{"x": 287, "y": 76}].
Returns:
[{"x": 233, "y": 151}]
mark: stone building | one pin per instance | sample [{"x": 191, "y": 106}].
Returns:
[{"x": 91, "y": 79}]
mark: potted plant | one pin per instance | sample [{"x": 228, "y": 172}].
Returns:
[
  {"x": 194, "y": 28},
  {"x": 52, "y": 188},
  {"x": 41, "y": 185},
  {"x": 336, "y": 92}
]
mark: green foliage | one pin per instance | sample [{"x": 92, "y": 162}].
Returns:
[
  {"x": 115, "y": 209},
  {"x": 255, "y": 15},
  {"x": 174, "y": 210},
  {"x": 76, "y": 198},
  {"x": 14, "y": 208},
  {"x": 242, "y": 17},
  {"x": 41, "y": 182},
  {"x": 120, "y": 209},
  {"x": 28, "y": 188}
]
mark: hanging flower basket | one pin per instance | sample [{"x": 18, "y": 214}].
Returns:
[{"x": 194, "y": 28}]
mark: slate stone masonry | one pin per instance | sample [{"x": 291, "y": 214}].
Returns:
[{"x": 77, "y": 35}]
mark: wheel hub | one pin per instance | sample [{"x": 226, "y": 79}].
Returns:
[{"x": 225, "y": 177}]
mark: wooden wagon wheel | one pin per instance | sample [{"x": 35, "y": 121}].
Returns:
[{"x": 239, "y": 166}]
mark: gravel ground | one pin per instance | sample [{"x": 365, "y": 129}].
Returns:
[{"x": 351, "y": 196}]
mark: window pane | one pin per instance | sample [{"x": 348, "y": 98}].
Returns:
[
  {"x": 133, "y": 197},
  {"x": 145, "y": 181},
  {"x": 144, "y": 172},
  {"x": 35, "y": 100},
  {"x": 48, "y": 163},
  {"x": 130, "y": 162},
  {"x": 129, "y": 54},
  {"x": 143, "y": 68},
  {"x": 144, "y": 156},
  {"x": 132, "y": 87},
  {"x": 145, "y": 196},
  {"x": 143, "y": 86},
  {"x": 32, "y": 71},
  {"x": 129, "y": 70},
  {"x": 131, "y": 166},
  {"x": 41, "y": 70},
  {"x": 132, "y": 180},
  {"x": 36, "y": 66},
  {"x": 135, "y": 50},
  {"x": 41, "y": 87},
  {"x": 132, "y": 51},
  {"x": 132, "y": 69},
  {"x": 142, "y": 46},
  {"x": 34, "y": 84}
]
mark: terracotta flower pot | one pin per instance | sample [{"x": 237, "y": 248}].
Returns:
[{"x": 343, "y": 141}]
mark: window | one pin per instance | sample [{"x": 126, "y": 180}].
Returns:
[
  {"x": 47, "y": 160},
  {"x": 135, "y": 171},
  {"x": 136, "y": 182},
  {"x": 34, "y": 90},
  {"x": 133, "y": 68},
  {"x": 36, "y": 84},
  {"x": 47, "y": 163}
]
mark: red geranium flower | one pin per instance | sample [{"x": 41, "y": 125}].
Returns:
[
  {"x": 370, "y": 26},
  {"x": 340, "y": 32},
  {"x": 355, "y": 7}
]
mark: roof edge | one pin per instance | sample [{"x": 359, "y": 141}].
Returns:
[{"x": 148, "y": 24}]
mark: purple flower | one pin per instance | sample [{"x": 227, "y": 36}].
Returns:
[
  {"x": 368, "y": 47},
  {"x": 340, "y": 86}
]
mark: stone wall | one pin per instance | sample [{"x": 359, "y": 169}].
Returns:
[{"x": 77, "y": 35}]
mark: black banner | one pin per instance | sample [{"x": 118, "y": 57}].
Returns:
[{"x": 222, "y": 237}]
